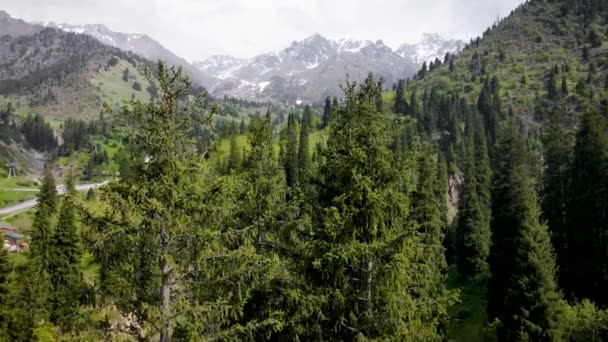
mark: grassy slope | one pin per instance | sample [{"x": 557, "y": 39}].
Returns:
[{"x": 532, "y": 41}]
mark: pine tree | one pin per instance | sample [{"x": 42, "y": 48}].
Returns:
[
  {"x": 291, "y": 154},
  {"x": 588, "y": 211},
  {"x": 400, "y": 106},
  {"x": 564, "y": 86},
  {"x": 41, "y": 236},
  {"x": 558, "y": 144},
  {"x": 171, "y": 254},
  {"x": 414, "y": 108},
  {"x": 327, "y": 112},
  {"x": 428, "y": 211},
  {"x": 64, "y": 269},
  {"x": 303, "y": 150},
  {"x": 473, "y": 228},
  {"x": 364, "y": 250},
  {"x": 234, "y": 157},
  {"x": 522, "y": 291},
  {"x": 263, "y": 195},
  {"x": 489, "y": 106}
]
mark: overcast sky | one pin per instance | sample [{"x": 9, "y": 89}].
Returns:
[{"x": 195, "y": 29}]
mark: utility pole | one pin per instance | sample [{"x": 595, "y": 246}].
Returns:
[{"x": 11, "y": 170}]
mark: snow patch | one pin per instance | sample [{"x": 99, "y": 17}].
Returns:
[{"x": 263, "y": 85}]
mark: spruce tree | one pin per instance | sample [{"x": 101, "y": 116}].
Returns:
[
  {"x": 303, "y": 149},
  {"x": 263, "y": 197},
  {"x": 65, "y": 253},
  {"x": 558, "y": 143},
  {"x": 364, "y": 251},
  {"x": 172, "y": 256},
  {"x": 522, "y": 291},
  {"x": 234, "y": 156},
  {"x": 291, "y": 154},
  {"x": 327, "y": 112},
  {"x": 41, "y": 236},
  {"x": 473, "y": 227},
  {"x": 400, "y": 106},
  {"x": 429, "y": 211},
  {"x": 588, "y": 211}
]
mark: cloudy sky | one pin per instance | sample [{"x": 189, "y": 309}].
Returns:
[{"x": 196, "y": 29}]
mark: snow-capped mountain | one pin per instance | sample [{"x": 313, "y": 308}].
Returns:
[
  {"x": 306, "y": 70},
  {"x": 219, "y": 65},
  {"x": 140, "y": 44},
  {"x": 431, "y": 46}
]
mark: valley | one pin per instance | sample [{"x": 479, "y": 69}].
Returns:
[{"x": 330, "y": 190}]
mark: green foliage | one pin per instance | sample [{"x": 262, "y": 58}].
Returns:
[
  {"x": 365, "y": 210},
  {"x": 5, "y": 269},
  {"x": 327, "y": 113},
  {"x": 473, "y": 228},
  {"x": 587, "y": 211},
  {"x": 303, "y": 149},
  {"x": 65, "y": 253},
  {"x": 558, "y": 144},
  {"x": 291, "y": 154},
  {"x": 401, "y": 106},
  {"x": 586, "y": 322},
  {"x": 523, "y": 293}
]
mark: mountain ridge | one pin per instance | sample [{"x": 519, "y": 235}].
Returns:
[{"x": 315, "y": 66}]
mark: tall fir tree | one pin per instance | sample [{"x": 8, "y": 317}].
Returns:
[
  {"x": 428, "y": 210},
  {"x": 39, "y": 262},
  {"x": 235, "y": 158},
  {"x": 291, "y": 153},
  {"x": 364, "y": 249},
  {"x": 473, "y": 228},
  {"x": 522, "y": 292},
  {"x": 327, "y": 112},
  {"x": 304, "y": 149},
  {"x": 588, "y": 211},
  {"x": 171, "y": 255},
  {"x": 400, "y": 106},
  {"x": 558, "y": 143},
  {"x": 65, "y": 254}
]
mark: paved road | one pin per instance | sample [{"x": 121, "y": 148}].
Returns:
[{"x": 31, "y": 203}]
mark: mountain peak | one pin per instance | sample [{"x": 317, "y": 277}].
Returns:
[{"x": 430, "y": 46}]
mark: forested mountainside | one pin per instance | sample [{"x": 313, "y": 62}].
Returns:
[
  {"x": 334, "y": 226},
  {"x": 521, "y": 114},
  {"x": 61, "y": 74}
]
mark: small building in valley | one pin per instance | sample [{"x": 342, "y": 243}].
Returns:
[{"x": 13, "y": 241}]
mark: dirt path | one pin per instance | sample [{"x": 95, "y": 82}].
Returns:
[{"x": 13, "y": 209}]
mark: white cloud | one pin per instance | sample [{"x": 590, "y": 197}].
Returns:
[{"x": 196, "y": 29}]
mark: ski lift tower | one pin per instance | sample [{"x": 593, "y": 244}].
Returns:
[{"x": 11, "y": 170}]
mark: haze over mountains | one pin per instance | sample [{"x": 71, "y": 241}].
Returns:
[{"x": 306, "y": 70}]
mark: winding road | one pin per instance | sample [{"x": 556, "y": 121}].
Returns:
[{"x": 31, "y": 203}]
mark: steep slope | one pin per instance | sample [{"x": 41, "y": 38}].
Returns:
[
  {"x": 522, "y": 51},
  {"x": 140, "y": 44},
  {"x": 60, "y": 74},
  {"x": 10, "y": 26},
  {"x": 547, "y": 59}
]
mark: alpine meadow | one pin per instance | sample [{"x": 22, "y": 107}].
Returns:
[{"x": 337, "y": 189}]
